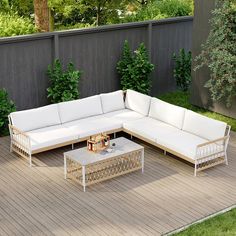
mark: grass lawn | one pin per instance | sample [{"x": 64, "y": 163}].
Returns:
[
  {"x": 182, "y": 99},
  {"x": 222, "y": 225}
]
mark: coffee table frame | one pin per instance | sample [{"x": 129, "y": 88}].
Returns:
[{"x": 105, "y": 169}]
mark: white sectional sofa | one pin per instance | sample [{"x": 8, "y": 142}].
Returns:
[{"x": 186, "y": 134}]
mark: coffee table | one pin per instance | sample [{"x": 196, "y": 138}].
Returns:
[{"x": 88, "y": 167}]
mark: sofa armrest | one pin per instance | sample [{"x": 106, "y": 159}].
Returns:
[
  {"x": 20, "y": 138},
  {"x": 212, "y": 149}
]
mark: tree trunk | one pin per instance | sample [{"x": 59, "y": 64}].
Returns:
[
  {"x": 42, "y": 15},
  {"x": 98, "y": 15}
]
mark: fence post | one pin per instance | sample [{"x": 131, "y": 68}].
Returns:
[
  {"x": 56, "y": 46},
  {"x": 150, "y": 40}
]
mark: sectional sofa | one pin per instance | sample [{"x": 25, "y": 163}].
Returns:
[{"x": 184, "y": 133}]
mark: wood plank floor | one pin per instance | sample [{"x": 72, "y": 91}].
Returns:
[{"x": 38, "y": 201}]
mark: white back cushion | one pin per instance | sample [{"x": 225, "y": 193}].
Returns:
[
  {"x": 137, "y": 102},
  {"x": 112, "y": 101},
  {"x": 36, "y": 118},
  {"x": 203, "y": 126},
  {"x": 167, "y": 113},
  {"x": 81, "y": 108}
]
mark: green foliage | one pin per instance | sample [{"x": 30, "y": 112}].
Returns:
[
  {"x": 221, "y": 225},
  {"x": 219, "y": 53},
  {"x": 22, "y": 7},
  {"x": 148, "y": 12},
  {"x": 181, "y": 98},
  {"x": 92, "y": 12},
  {"x": 59, "y": 27},
  {"x": 135, "y": 68},
  {"x": 182, "y": 71},
  {"x": 159, "y": 9},
  {"x": 4, "y": 5},
  {"x": 64, "y": 84},
  {"x": 173, "y": 8},
  {"x": 6, "y": 107},
  {"x": 11, "y": 24}
]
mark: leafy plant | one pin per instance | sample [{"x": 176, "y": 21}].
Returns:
[
  {"x": 6, "y": 107},
  {"x": 159, "y": 9},
  {"x": 64, "y": 84},
  {"x": 11, "y": 24},
  {"x": 219, "y": 53},
  {"x": 135, "y": 68},
  {"x": 182, "y": 70},
  {"x": 173, "y": 8}
]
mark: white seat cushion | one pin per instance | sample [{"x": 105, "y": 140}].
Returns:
[
  {"x": 181, "y": 142},
  {"x": 167, "y": 112},
  {"x": 50, "y": 136},
  {"x": 203, "y": 126},
  {"x": 137, "y": 102},
  {"x": 36, "y": 118},
  {"x": 79, "y": 109},
  {"x": 149, "y": 128},
  {"x": 112, "y": 101},
  {"x": 124, "y": 115},
  {"x": 92, "y": 125}
]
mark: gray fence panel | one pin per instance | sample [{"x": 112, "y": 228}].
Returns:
[
  {"x": 96, "y": 51},
  {"x": 97, "y": 54},
  {"x": 168, "y": 39},
  {"x": 22, "y": 71}
]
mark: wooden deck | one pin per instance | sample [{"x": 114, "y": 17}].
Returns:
[{"x": 38, "y": 201}]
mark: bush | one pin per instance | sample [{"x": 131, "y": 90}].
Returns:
[
  {"x": 64, "y": 84},
  {"x": 11, "y": 25},
  {"x": 182, "y": 71},
  {"x": 173, "y": 8},
  {"x": 219, "y": 53},
  {"x": 6, "y": 107},
  {"x": 135, "y": 69},
  {"x": 149, "y": 12},
  {"x": 160, "y": 9}
]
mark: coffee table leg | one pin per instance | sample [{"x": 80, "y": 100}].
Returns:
[
  {"x": 65, "y": 167},
  {"x": 83, "y": 176},
  {"x": 142, "y": 158}
]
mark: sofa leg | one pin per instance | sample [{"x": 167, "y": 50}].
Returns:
[
  {"x": 11, "y": 148},
  {"x": 131, "y": 136},
  {"x": 72, "y": 146},
  {"x": 195, "y": 170},
  {"x": 164, "y": 152},
  {"x": 226, "y": 159},
  {"x": 115, "y": 135},
  {"x": 30, "y": 160}
]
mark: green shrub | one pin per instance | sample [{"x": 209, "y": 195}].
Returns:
[
  {"x": 11, "y": 24},
  {"x": 6, "y": 107},
  {"x": 148, "y": 12},
  {"x": 64, "y": 84},
  {"x": 59, "y": 27},
  {"x": 160, "y": 9},
  {"x": 173, "y": 8},
  {"x": 182, "y": 70},
  {"x": 135, "y": 68},
  {"x": 219, "y": 53}
]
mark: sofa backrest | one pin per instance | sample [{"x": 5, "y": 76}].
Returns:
[
  {"x": 36, "y": 118},
  {"x": 112, "y": 101},
  {"x": 137, "y": 102},
  {"x": 203, "y": 126},
  {"x": 81, "y": 108},
  {"x": 167, "y": 113}
]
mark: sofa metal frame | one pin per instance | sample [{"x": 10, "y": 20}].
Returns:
[{"x": 208, "y": 154}]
